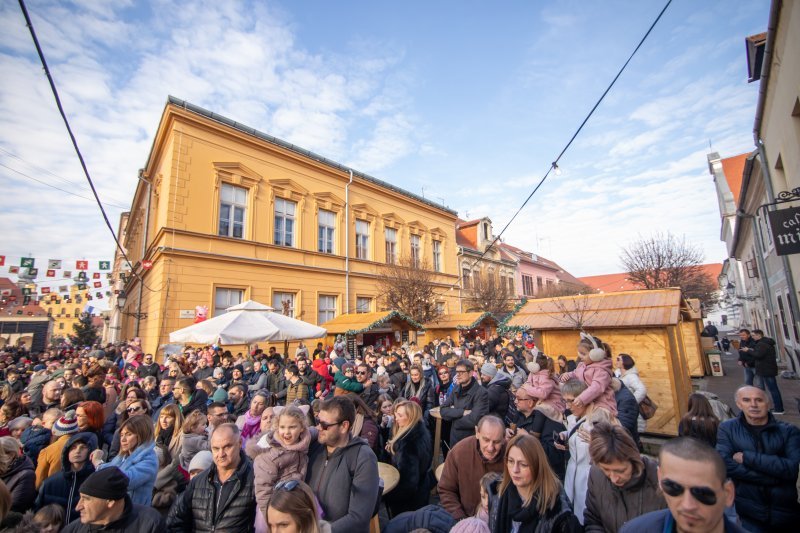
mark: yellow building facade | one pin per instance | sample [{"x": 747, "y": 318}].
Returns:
[
  {"x": 225, "y": 214},
  {"x": 64, "y": 315}
]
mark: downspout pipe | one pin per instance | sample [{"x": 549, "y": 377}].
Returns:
[
  {"x": 347, "y": 243},
  {"x": 144, "y": 251},
  {"x": 766, "y": 67}
]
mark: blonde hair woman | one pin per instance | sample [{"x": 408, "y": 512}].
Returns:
[
  {"x": 530, "y": 493},
  {"x": 411, "y": 452}
]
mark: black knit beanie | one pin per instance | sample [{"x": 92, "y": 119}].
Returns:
[{"x": 107, "y": 484}]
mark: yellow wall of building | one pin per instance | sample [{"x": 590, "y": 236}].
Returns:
[
  {"x": 63, "y": 321},
  {"x": 192, "y": 157}
]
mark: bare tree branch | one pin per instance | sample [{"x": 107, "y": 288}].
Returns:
[
  {"x": 486, "y": 293},
  {"x": 409, "y": 288}
]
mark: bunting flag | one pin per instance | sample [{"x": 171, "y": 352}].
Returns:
[
  {"x": 105, "y": 265},
  {"x": 2, "y": 260},
  {"x": 51, "y": 273},
  {"x": 81, "y": 265},
  {"x": 26, "y": 291},
  {"x": 63, "y": 288},
  {"x": 13, "y": 270},
  {"x": 27, "y": 262},
  {"x": 67, "y": 273},
  {"x": 45, "y": 290},
  {"x": 96, "y": 275},
  {"x": 54, "y": 264},
  {"x": 97, "y": 284},
  {"x": 33, "y": 272},
  {"x": 26, "y": 300},
  {"x": 110, "y": 276}
]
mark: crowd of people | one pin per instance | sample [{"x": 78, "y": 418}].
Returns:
[{"x": 107, "y": 439}]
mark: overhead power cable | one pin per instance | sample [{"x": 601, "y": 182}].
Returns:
[
  {"x": 74, "y": 141},
  {"x": 554, "y": 164}
]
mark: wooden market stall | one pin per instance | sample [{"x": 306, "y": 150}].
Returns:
[
  {"x": 647, "y": 324},
  {"x": 691, "y": 327},
  {"x": 386, "y": 328},
  {"x": 476, "y": 324}
]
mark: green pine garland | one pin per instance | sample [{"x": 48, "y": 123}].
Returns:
[
  {"x": 476, "y": 322},
  {"x": 504, "y": 328},
  {"x": 378, "y": 323}
]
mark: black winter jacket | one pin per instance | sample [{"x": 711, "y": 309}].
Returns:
[
  {"x": 199, "y": 402},
  {"x": 412, "y": 458},
  {"x": 497, "y": 390},
  {"x": 473, "y": 398},
  {"x": 765, "y": 482},
  {"x": 431, "y": 517},
  {"x": 396, "y": 376},
  {"x": 764, "y": 356},
  {"x": 746, "y": 357},
  {"x": 134, "y": 519},
  {"x": 63, "y": 487},
  {"x": 199, "y": 507},
  {"x": 627, "y": 410},
  {"x": 20, "y": 480}
]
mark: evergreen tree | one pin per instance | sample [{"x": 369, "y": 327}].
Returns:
[{"x": 85, "y": 332}]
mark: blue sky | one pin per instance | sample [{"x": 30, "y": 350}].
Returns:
[{"x": 467, "y": 102}]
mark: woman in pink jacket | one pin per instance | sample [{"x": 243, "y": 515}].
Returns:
[
  {"x": 543, "y": 386},
  {"x": 596, "y": 370}
]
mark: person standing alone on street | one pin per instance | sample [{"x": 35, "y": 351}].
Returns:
[
  {"x": 747, "y": 346},
  {"x": 766, "y": 367}
]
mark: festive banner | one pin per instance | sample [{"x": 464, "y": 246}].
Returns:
[
  {"x": 51, "y": 273},
  {"x": 45, "y": 290},
  {"x": 81, "y": 265},
  {"x": 96, "y": 275},
  {"x": 27, "y": 262},
  {"x": 33, "y": 272},
  {"x": 105, "y": 265},
  {"x": 2, "y": 260},
  {"x": 67, "y": 273},
  {"x": 54, "y": 264},
  {"x": 97, "y": 284},
  {"x": 26, "y": 290},
  {"x": 13, "y": 270}
]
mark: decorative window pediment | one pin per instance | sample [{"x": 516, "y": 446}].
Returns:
[
  {"x": 289, "y": 189},
  {"x": 237, "y": 174},
  {"x": 438, "y": 234},
  {"x": 365, "y": 212},
  {"x": 328, "y": 201},
  {"x": 391, "y": 220},
  {"x": 417, "y": 227}
]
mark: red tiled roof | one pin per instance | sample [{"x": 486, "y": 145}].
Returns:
[
  {"x": 733, "y": 168},
  {"x": 620, "y": 282},
  {"x": 467, "y": 233}
]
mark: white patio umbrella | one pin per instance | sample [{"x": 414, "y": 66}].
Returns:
[{"x": 247, "y": 323}]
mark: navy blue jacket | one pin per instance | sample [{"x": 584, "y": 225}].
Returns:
[
  {"x": 765, "y": 482},
  {"x": 627, "y": 410},
  {"x": 660, "y": 521},
  {"x": 63, "y": 487},
  {"x": 35, "y": 439}
]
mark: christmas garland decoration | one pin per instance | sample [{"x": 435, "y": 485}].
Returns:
[
  {"x": 477, "y": 321},
  {"x": 378, "y": 323},
  {"x": 503, "y": 327}
]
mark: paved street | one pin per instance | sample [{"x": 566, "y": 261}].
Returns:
[{"x": 726, "y": 386}]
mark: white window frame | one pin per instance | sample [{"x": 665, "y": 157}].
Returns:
[
  {"x": 229, "y": 296},
  {"x": 326, "y": 231},
  {"x": 283, "y": 214},
  {"x": 416, "y": 251},
  {"x": 326, "y": 308},
  {"x": 390, "y": 235},
  {"x": 229, "y": 206},
  {"x": 363, "y": 304},
  {"x": 437, "y": 256},
  {"x": 277, "y": 301},
  {"x": 362, "y": 239}
]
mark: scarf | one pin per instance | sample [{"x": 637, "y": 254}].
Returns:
[
  {"x": 252, "y": 426},
  {"x": 165, "y": 436}
]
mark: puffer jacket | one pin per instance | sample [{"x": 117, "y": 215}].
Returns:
[
  {"x": 191, "y": 443},
  {"x": 764, "y": 356},
  {"x": 62, "y": 487},
  {"x": 20, "y": 481},
  {"x": 141, "y": 468},
  {"x": 497, "y": 391},
  {"x": 35, "y": 439},
  {"x": 199, "y": 508},
  {"x": 634, "y": 382},
  {"x": 473, "y": 398},
  {"x": 296, "y": 391},
  {"x": 198, "y": 402},
  {"x": 278, "y": 462},
  {"x": 765, "y": 481},
  {"x": 396, "y": 375},
  {"x": 430, "y": 518},
  {"x": 544, "y": 387},
  {"x": 608, "y": 506},
  {"x": 354, "y": 465},
  {"x": 412, "y": 456},
  {"x": 598, "y": 378}
]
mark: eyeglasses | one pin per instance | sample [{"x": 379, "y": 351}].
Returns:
[
  {"x": 704, "y": 495},
  {"x": 462, "y": 371},
  {"x": 361, "y": 373},
  {"x": 327, "y": 425},
  {"x": 288, "y": 485}
]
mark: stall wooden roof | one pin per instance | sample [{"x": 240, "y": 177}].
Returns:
[
  {"x": 460, "y": 320},
  {"x": 659, "y": 307},
  {"x": 354, "y": 323}
]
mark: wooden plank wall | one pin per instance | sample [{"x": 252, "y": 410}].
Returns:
[
  {"x": 660, "y": 362},
  {"x": 694, "y": 353}
]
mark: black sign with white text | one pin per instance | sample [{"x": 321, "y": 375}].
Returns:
[{"x": 785, "y": 225}]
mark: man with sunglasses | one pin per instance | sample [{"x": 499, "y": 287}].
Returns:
[
  {"x": 762, "y": 456},
  {"x": 694, "y": 482},
  {"x": 371, "y": 390},
  {"x": 342, "y": 469},
  {"x": 468, "y": 403}
]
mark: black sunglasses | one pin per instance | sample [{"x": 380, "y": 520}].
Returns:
[
  {"x": 326, "y": 425},
  {"x": 134, "y": 409},
  {"x": 288, "y": 485},
  {"x": 361, "y": 373},
  {"x": 704, "y": 495}
]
